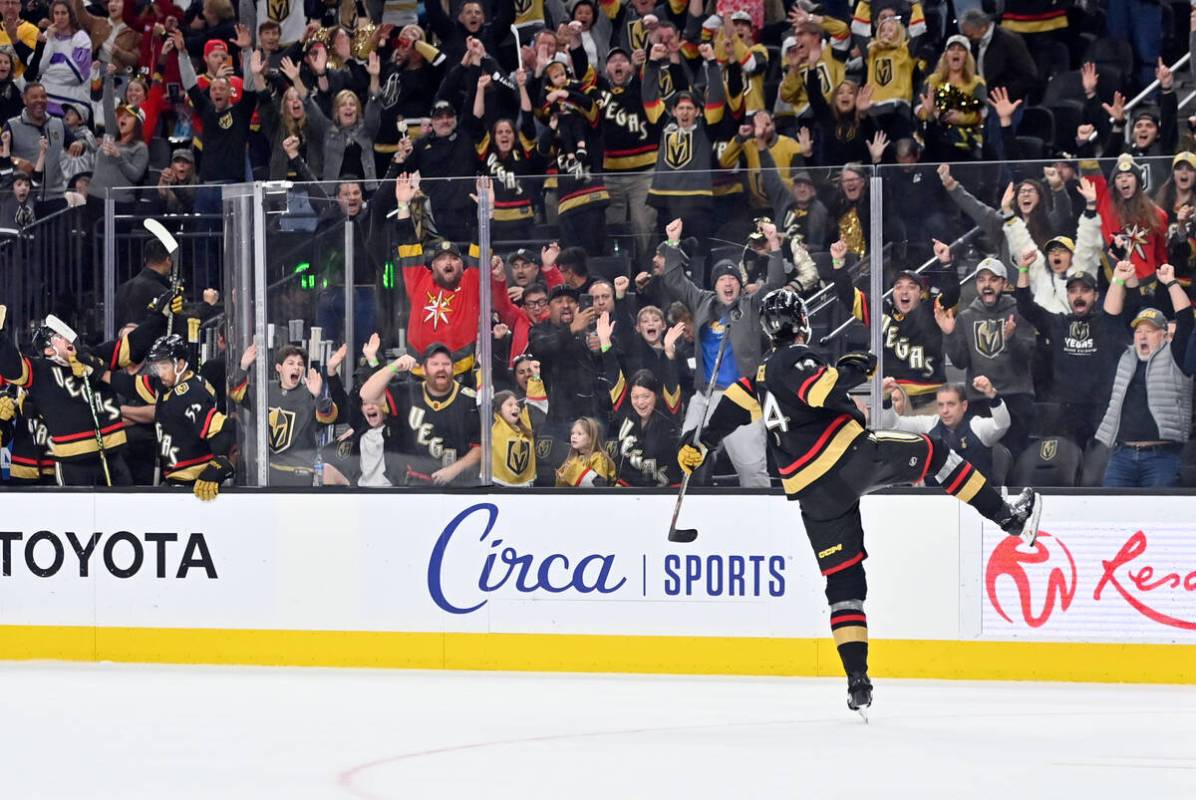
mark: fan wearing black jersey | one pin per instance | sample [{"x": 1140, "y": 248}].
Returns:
[{"x": 827, "y": 460}]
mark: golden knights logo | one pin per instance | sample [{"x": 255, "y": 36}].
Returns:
[
  {"x": 519, "y": 455},
  {"x": 824, "y": 77},
  {"x": 225, "y": 121},
  {"x": 1048, "y": 449},
  {"x": 637, "y": 35},
  {"x": 1079, "y": 330},
  {"x": 543, "y": 448},
  {"x": 522, "y": 7},
  {"x": 278, "y": 10},
  {"x": 665, "y": 82},
  {"x": 884, "y": 71},
  {"x": 282, "y": 429},
  {"x": 990, "y": 337},
  {"x": 678, "y": 147}
]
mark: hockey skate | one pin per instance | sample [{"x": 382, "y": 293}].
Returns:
[
  {"x": 1022, "y": 519},
  {"x": 859, "y": 693}
]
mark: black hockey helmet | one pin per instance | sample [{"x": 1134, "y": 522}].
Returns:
[
  {"x": 168, "y": 348},
  {"x": 43, "y": 337},
  {"x": 783, "y": 316}
]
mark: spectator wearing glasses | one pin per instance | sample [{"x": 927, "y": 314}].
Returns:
[{"x": 1150, "y": 408}]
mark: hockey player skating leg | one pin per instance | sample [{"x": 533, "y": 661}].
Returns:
[{"x": 827, "y": 460}]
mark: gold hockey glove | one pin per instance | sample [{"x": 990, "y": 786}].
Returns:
[
  {"x": 690, "y": 457},
  {"x": 207, "y": 485}
]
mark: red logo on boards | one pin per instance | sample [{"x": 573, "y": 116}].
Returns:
[
  {"x": 1144, "y": 581},
  {"x": 1008, "y": 559}
]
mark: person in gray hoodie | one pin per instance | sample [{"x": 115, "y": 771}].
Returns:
[
  {"x": 725, "y": 311},
  {"x": 990, "y": 338}
]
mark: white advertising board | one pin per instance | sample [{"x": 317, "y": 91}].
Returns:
[
  {"x": 1096, "y": 574},
  {"x": 471, "y": 563},
  {"x": 555, "y": 581}
]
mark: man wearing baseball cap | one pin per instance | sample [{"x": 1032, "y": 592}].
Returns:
[
  {"x": 1149, "y": 416},
  {"x": 1085, "y": 345},
  {"x": 442, "y": 284},
  {"x": 442, "y": 444},
  {"x": 446, "y": 161},
  {"x": 989, "y": 338}
]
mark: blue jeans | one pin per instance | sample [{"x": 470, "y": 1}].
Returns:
[
  {"x": 330, "y": 313},
  {"x": 1157, "y": 466},
  {"x": 1139, "y": 22}
]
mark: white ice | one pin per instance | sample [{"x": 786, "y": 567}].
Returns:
[{"x": 121, "y": 731}]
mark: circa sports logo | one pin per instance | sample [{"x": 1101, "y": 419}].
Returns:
[
  {"x": 471, "y": 562},
  {"x": 1008, "y": 559},
  {"x": 1162, "y": 596},
  {"x": 554, "y": 573}
]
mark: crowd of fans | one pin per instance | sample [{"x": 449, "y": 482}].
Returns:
[{"x": 653, "y": 170}]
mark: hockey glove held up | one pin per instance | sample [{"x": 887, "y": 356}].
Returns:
[
  {"x": 78, "y": 368},
  {"x": 169, "y": 302},
  {"x": 207, "y": 485},
  {"x": 690, "y": 457},
  {"x": 864, "y": 362},
  {"x": 8, "y": 409}
]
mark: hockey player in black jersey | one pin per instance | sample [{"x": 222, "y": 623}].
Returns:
[
  {"x": 827, "y": 460},
  {"x": 26, "y": 432},
  {"x": 82, "y": 414},
  {"x": 194, "y": 437}
]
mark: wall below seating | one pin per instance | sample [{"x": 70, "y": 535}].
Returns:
[{"x": 589, "y": 583}]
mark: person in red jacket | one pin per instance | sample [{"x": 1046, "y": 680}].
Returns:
[
  {"x": 443, "y": 293},
  {"x": 1127, "y": 213}
]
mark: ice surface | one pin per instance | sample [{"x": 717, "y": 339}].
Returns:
[{"x": 126, "y": 731}]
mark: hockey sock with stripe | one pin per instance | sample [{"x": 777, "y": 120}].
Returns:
[
  {"x": 849, "y": 627},
  {"x": 960, "y": 479}
]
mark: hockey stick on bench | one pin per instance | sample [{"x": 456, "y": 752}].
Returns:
[
  {"x": 686, "y": 535},
  {"x": 172, "y": 247}
]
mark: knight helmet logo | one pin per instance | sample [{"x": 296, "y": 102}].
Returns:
[
  {"x": 678, "y": 148},
  {"x": 1048, "y": 449},
  {"x": 518, "y": 456},
  {"x": 884, "y": 71},
  {"x": 990, "y": 337},
  {"x": 282, "y": 429}
]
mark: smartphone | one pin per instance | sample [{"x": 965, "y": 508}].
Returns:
[{"x": 587, "y": 301}]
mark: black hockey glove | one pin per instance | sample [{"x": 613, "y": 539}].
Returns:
[
  {"x": 864, "y": 362},
  {"x": 207, "y": 485}
]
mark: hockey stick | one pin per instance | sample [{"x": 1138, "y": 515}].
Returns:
[
  {"x": 686, "y": 535},
  {"x": 172, "y": 246},
  {"x": 91, "y": 406}
]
